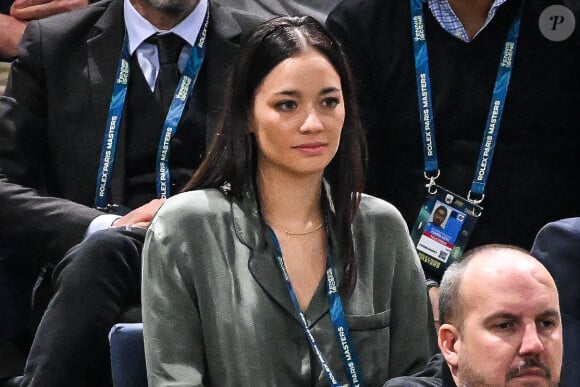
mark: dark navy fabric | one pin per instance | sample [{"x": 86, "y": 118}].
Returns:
[{"x": 557, "y": 246}]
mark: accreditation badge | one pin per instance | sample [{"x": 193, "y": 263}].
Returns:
[{"x": 442, "y": 229}]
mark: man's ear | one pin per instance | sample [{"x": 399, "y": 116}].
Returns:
[{"x": 450, "y": 344}]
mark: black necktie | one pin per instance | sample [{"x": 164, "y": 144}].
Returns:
[{"x": 169, "y": 47}]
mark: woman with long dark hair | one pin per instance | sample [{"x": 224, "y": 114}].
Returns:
[{"x": 274, "y": 269}]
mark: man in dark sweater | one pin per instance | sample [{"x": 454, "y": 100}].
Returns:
[
  {"x": 477, "y": 99},
  {"x": 500, "y": 324},
  {"x": 536, "y": 155}
]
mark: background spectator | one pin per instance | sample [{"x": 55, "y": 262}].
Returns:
[
  {"x": 55, "y": 123},
  {"x": 500, "y": 323},
  {"x": 536, "y": 152}
]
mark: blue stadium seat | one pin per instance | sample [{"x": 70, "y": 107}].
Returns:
[{"x": 128, "y": 355}]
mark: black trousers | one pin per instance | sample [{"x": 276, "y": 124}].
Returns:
[
  {"x": 16, "y": 284},
  {"x": 96, "y": 282}
]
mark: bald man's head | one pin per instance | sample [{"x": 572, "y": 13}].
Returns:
[
  {"x": 500, "y": 319},
  {"x": 493, "y": 258}
]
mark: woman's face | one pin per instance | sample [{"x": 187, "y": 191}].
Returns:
[{"x": 298, "y": 115}]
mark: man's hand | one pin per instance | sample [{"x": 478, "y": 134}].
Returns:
[
  {"x": 38, "y": 9},
  {"x": 12, "y": 26},
  {"x": 11, "y": 31},
  {"x": 140, "y": 217}
]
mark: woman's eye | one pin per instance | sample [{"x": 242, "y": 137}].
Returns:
[
  {"x": 330, "y": 102},
  {"x": 286, "y": 105}
]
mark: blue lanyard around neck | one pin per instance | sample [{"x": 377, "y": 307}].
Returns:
[
  {"x": 341, "y": 330},
  {"x": 491, "y": 131},
  {"x": 182, "y": 93}
]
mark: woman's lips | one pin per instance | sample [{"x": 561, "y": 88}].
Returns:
[{"x": 311, "y": 147}]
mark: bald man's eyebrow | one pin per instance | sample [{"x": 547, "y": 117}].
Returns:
[
  {"x": 550, "y": 313},
  {"x": 502, "y": 316}
]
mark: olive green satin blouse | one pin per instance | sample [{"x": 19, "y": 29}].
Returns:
[{"x": 216, "y": 310}]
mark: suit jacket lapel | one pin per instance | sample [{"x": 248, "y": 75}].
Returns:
[
  {"x": 104, "y": 45},
  {"x": 103, "y": 52},
  {"x": 220, "y": 49}
]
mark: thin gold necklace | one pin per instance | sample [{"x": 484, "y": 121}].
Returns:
[{"x": 306, "y": 232}]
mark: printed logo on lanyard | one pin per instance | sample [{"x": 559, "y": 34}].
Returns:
[{"x": 182, "y": 93}]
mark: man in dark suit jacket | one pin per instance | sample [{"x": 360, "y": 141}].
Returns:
[{"x": 53, "y": 118}]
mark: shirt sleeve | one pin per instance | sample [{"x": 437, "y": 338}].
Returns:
[{"x": 100, "y": 223}]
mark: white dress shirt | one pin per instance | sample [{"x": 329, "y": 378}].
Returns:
[{"x": 139, "y": 29}]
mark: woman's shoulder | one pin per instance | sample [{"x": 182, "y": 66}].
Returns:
[
  {"x": 372, "y": 205},
  {"x": 198, "y": 203},
  {"x": 380, "y": 213}
]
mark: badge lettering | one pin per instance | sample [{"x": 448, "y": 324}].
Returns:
[{"x": 428, "y": 260}]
